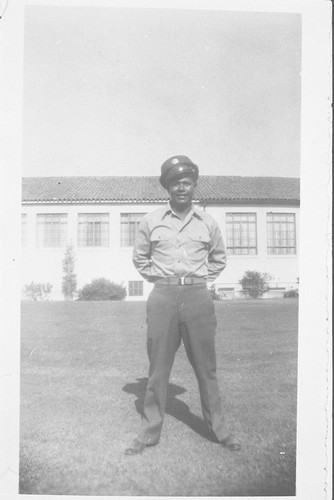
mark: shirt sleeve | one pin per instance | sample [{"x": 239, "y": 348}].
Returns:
[
  {"x": 217, "y": 253},
  {"x": 141, "y": 256}
]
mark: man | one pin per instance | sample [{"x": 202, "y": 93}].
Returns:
[{"x": 180, "y": 250}]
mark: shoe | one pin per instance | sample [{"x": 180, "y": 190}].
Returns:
[
  {"x": 136, "y": 448},
  {"x": 230, "y": 444}
]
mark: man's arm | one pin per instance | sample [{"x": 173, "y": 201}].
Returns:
[
  {"x": 217, "y": 253},
  {"x": 141, "y": 256}
]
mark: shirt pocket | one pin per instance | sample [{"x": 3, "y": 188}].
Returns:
[
  {"x": 161, "y": 234},
  {"x": 199, "y": 238}
]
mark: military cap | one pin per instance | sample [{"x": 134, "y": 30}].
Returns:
[{"x": 177, "y": 166}]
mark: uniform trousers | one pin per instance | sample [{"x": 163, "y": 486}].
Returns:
[{"x": 176, "y": 312}]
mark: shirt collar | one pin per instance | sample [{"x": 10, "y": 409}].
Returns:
[{"x": 194, "y": 211}]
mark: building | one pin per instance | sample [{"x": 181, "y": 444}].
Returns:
[{"x": 98, "y": 216}]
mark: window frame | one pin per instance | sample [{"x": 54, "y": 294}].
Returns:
[
  {"x": 44, "y": 233},
  {"x": 128, "y": 238},
  {"x": 134, "y": 284},
  {"x": 241, "y": 229},
  {"x": 94, "y": 233},
  {"x": 24, "y": 223},
  {"x": 282, "y": 234}
]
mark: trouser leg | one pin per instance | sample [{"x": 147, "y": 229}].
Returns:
[
  {"x": 163, "y": 340},
  {"x": 198, "y": 328}
]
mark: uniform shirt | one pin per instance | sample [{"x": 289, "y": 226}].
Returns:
[{"x": 167, "y": 246}]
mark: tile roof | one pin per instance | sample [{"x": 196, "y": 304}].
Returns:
[{"x": 211, "y": 188}]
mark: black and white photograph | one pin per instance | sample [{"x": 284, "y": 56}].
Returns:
[{"x": 169, "y": 255}]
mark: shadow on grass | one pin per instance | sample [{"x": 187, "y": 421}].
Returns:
[{"x": 174, "y": 407}]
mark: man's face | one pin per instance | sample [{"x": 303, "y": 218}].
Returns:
[{"x": 181, "y": 192}]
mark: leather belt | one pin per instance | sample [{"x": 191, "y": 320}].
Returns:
[{"x": 180, "y": 280}]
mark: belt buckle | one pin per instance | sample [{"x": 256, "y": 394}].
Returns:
[{"x": 182, "y": 280}]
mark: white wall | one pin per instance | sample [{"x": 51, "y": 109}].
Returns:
[{"x": 114, "y": 262}]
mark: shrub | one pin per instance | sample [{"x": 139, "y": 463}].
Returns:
[
  {"x": 102, "y": 289},
  {"x": 214, "y": 294},
  {"x": 255, "y": 283},
  {"x": 293, "y": 292},
  {"x": 37, "y": 291}
]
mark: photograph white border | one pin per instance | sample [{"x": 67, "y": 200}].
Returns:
[{"x": 314, "y": 426}]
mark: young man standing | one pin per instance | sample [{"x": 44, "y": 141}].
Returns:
[{"x": 180, "y": 249}]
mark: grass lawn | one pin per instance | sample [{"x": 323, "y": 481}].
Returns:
[{"x": 83, "y": 377}]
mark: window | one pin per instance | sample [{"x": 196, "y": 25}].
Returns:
[
  {"x": 135, "y": 288},
  {"x": 93, "y": 230},
  {"x": 23, "y": 229},
  {"x": 241, "y": 234},
  {"x": 281, "y": 234},
  {"x": 129, "y": 227},
  {"x": 51, "y": 230}
]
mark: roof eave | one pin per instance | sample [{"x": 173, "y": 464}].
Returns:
[{"x": 224, "y": 201}]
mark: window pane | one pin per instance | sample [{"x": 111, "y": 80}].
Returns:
[
  {"x": 135, "y": 288},
  {"x": 129, "y": 227},
  {"x": 23, "y": 229},
  {"x": 51, "y": 230},
  {"x": 281, "y": 234},
  {"x": 241, "y": 233},
  {"x": 93, "y": 230}
]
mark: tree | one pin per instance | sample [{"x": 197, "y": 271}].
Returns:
[
  {"x": 255, "y": 283},
  {"x": 69, "y": 283}
]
